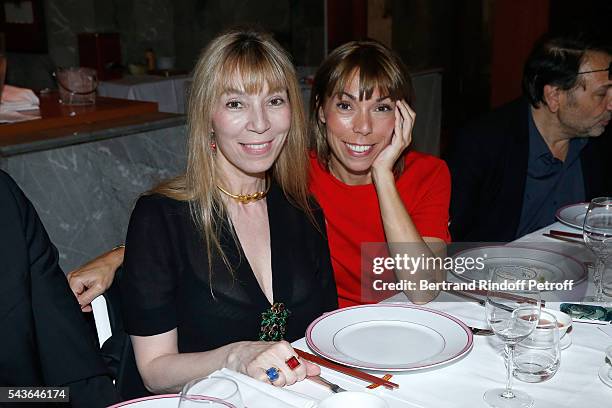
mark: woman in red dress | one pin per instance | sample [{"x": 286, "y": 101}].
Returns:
[{"x": 371, "y": 186}]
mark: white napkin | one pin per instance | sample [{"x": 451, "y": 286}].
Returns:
[
  {"x": 18, "y": 99},
  {"x": 14, "y": 117},
  {"x": 257, "y": 394}
]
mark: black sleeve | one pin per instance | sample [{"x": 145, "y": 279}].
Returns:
[
  {"x": 329, "y": 293},
  {"x": 66, "y": 346},
  {"x": 148, "y": 285},
  {"x": 467, "y": 168}
]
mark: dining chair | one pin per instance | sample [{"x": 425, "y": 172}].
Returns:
[{"x": 101, "y": 318}]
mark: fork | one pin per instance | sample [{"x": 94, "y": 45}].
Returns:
[
  {"x": 481, "y": 332},
  {"x": 335, "y": 388}
]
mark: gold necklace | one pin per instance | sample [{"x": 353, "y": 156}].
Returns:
[{"x": 247, "y": 198}]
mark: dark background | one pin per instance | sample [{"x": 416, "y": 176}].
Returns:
[{"x": 481, "y": 45}]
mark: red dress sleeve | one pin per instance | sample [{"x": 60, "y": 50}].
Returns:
[{"x": 426, "y": 194}]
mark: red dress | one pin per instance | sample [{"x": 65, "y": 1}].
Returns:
[{"x": 353, "y": 215}]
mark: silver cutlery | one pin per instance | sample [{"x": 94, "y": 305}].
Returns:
[
  {"x": 335, "y": 388},
  {"x": 475, "y": 298},
  {"x": 481, "y": 332}
]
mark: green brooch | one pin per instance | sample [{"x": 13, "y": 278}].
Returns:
[{"x": 274, "y": 323}]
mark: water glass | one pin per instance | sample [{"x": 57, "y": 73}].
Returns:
[
  {"x": 512, "y": 312},
  {"x": 211, "y": 392},
  {"x": 537, "y": 358},
  {"x": 77, "y": 86},
  {"x": 597, "y": 234}
]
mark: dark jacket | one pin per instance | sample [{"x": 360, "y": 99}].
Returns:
[
  {"x": 44, "y": 340},
  {"x": 488, "y": 165}
]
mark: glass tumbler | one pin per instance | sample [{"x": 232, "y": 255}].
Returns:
[
  {"x": 538, "y": 357},
  {"x": 211, "y": 392}
]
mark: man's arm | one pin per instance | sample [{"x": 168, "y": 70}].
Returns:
[
  {"x": 95, "y": 277},
  {"x": 65, "y": 344}
]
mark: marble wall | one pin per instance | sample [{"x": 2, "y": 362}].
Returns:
[{"x": 85, "y": 193}]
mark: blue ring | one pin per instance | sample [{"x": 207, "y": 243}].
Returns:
[{"x": 272, "y": 374}]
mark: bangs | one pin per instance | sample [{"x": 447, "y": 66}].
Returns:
[
  {"x": 249, "y": 70},
  {"x": 374, "y": 74}
]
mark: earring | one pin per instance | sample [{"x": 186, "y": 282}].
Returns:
[{"x": 213, "y": 144}]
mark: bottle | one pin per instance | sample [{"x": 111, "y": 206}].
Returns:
[{"x": 150, "y": 57}]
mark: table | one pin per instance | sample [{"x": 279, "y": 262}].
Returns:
[
  {"x": 462, "y": 383},
  {"x": 168, "y": 92},
  {"x": 83, "y": 167}
]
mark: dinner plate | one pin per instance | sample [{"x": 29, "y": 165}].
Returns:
[
  {"x": 546, "y": 265},
  {"x": 163, "y": 401},
  {"x": 389, "y": 337},
  {"x": 573, "y": 215},
  {"x": 605, "y": 374}
]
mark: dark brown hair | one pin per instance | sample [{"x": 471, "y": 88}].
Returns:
[
  {"x": 378, "y": 67},
  {"x": 556, "y": 60}
]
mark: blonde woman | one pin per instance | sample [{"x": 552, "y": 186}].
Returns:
[{"x": 226, "y": 260}]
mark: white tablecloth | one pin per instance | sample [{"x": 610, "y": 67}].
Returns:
[
  {"x": 463, "y": 383},
  {"x": 169, "y": 93}
]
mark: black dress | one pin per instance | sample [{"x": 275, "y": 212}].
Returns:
[{"x": 166, "y": 281}]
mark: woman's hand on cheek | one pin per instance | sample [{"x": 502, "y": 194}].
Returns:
[{"x": 400, "y": 140}]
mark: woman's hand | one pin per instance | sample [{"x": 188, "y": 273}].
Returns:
[
  {"x": 95, "y": 277},
  {"x": 254, "y": 358},
  {"x": 400, "y": 140}
]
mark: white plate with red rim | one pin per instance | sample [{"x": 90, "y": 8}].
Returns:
[
  {"x": 573, "y": 214},
  {"x": 165, "y": 401},
  {"x": 389, "y": 337},
  {"x": 542, "y": 265}
]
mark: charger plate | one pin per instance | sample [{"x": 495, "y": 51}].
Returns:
[
  {"x": 544, "y": 265},
  {"x": 389, "y": 337},
  {"x": 573, "y": 215}
]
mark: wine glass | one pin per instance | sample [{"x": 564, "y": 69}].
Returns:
[
  {"x": 597, "y": 234},
  {"x": 211, "y": 392},
  {"x": 513, "y": 312}
]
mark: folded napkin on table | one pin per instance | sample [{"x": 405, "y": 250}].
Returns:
[
  {"x": 257, "y": 394},
  {"x": 18, "y": 99}
]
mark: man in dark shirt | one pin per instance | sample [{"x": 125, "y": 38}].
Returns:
[
  {"x": 45, "y": 340},
  {"x": 513, "y": 169}
]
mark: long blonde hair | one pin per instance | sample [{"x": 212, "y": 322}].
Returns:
[{"x": 257, "y": 59}]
